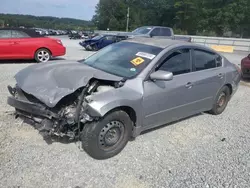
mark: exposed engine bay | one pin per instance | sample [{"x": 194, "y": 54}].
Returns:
[{"x": 68, "y": 117}]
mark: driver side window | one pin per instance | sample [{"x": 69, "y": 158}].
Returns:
[{"x": 177, "y": 62}]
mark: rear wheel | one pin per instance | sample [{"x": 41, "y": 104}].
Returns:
[
  {"x": 88, "y": 48},
  {"x": 221, "y": 101},
  {"x": 107, "y": 137},
  {"x": 42, "y": 55}
]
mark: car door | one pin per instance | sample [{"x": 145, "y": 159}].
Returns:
[
  {"x": 207, "y": 78},
  {"x": 5, "y": 44},
  {"x": 21, "y": 44},
  {"x": 166, "y": 101}
]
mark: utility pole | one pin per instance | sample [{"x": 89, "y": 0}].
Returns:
[{"x": 127, "y": 20}]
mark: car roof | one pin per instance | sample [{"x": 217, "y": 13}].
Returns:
[
  {"x": 155, "y": 26},
  {"x": 157, "y": 42},
  {"x": 30, "y": 32},
  {"x": 164, "y": 43}
]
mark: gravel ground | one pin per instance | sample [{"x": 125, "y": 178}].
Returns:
[{"x": 202, "y": 151}]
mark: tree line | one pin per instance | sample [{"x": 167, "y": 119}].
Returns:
[
  {"x": 28, "y": 21},
  {"x": 194, "y": 17}
]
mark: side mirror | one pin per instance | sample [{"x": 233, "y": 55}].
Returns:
[
  {"x": 249, "y": 56},
  {"x": 151, "y": 34},
  {"x": 162, "y": 75}
]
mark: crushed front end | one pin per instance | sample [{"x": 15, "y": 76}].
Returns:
[{"x": 67, "y": 118}]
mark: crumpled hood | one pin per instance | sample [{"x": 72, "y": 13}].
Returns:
[{"x": 50, "y": 82}]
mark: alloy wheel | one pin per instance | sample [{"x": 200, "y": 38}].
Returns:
[{"x": 43, "y": 56}]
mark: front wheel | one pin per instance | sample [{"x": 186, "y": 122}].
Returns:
[
  {"x": 221, "y": 101},
  {"x": 42, "y": 55},
  {"x": 107, "y": 137}
]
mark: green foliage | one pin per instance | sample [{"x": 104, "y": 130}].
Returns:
[
  {"x": 15, "y": 20},
  {"x": 205, "y": 17},
  {"x": 1, "y": 23}
]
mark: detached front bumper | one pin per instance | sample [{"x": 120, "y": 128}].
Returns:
[
  {"x": 25, "y": 107},
  {"x": 31, "y": 108}
]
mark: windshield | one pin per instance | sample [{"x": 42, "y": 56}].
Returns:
[
  {"x": 142, "y": 30},
  {"x": 124, "y": 59}
]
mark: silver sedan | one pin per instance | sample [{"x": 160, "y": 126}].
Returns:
[{"x": 122, "y": 90}]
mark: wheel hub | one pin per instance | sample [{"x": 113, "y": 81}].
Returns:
[
  {"x": 221, "y": 99},
  {"x": 111, "y": 134},
  {"x": 43, "y": 56}
]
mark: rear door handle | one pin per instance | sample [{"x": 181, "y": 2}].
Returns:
[
  {"x": 221, "y": 75},
  {"x": 189, "y": 85}
]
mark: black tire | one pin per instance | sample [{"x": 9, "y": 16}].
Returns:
[
  {"x": 95, "y": 135},
  {"x": 88, "y": 48},
  {"x": 221, "y": 101},
  {"x": 46, "y": 52},
  {"x": 95, "y": 48}
]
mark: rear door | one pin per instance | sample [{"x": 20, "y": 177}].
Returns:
[
  {"x": 207, "y": 78},
  {"x": 6, "y": 50},
  {"x": 22, "y": 44}
]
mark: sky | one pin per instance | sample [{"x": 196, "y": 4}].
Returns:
[{"x": 80, "y": 9}]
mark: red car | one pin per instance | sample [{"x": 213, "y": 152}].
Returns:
[
  {"x": 245, "y": 67},
  {"x": 28, "y": 44}
]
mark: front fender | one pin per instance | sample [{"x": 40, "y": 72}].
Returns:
[{"x": 105, "y": 102}]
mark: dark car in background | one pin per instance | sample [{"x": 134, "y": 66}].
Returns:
[
  {"x": 245, "y": 67},
  {"x": 100, "y": 41},
  {"x": 74, "y": 35},
  {"x": 18, "y": 43}
]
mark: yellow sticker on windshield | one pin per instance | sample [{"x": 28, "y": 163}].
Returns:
[{"x": 137, "y": 61}]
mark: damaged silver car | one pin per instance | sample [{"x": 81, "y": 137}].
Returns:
[{"x": 123, "y": 90}]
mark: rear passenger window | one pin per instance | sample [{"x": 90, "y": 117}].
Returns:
[
  {"x": 178, "y": 62},
  {"x": 165, "y": 32},
  {"x": 206, "y": 60},
  {"x": 4, "y": 34}
]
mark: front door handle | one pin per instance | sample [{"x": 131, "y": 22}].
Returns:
[
  {"x": 189, "y": 85},
  {"x": 14, "y": 43}
]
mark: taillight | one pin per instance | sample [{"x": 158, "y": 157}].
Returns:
[
  {"x": 59, "y": 42},
  {"x": 238, "y": 68}
]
